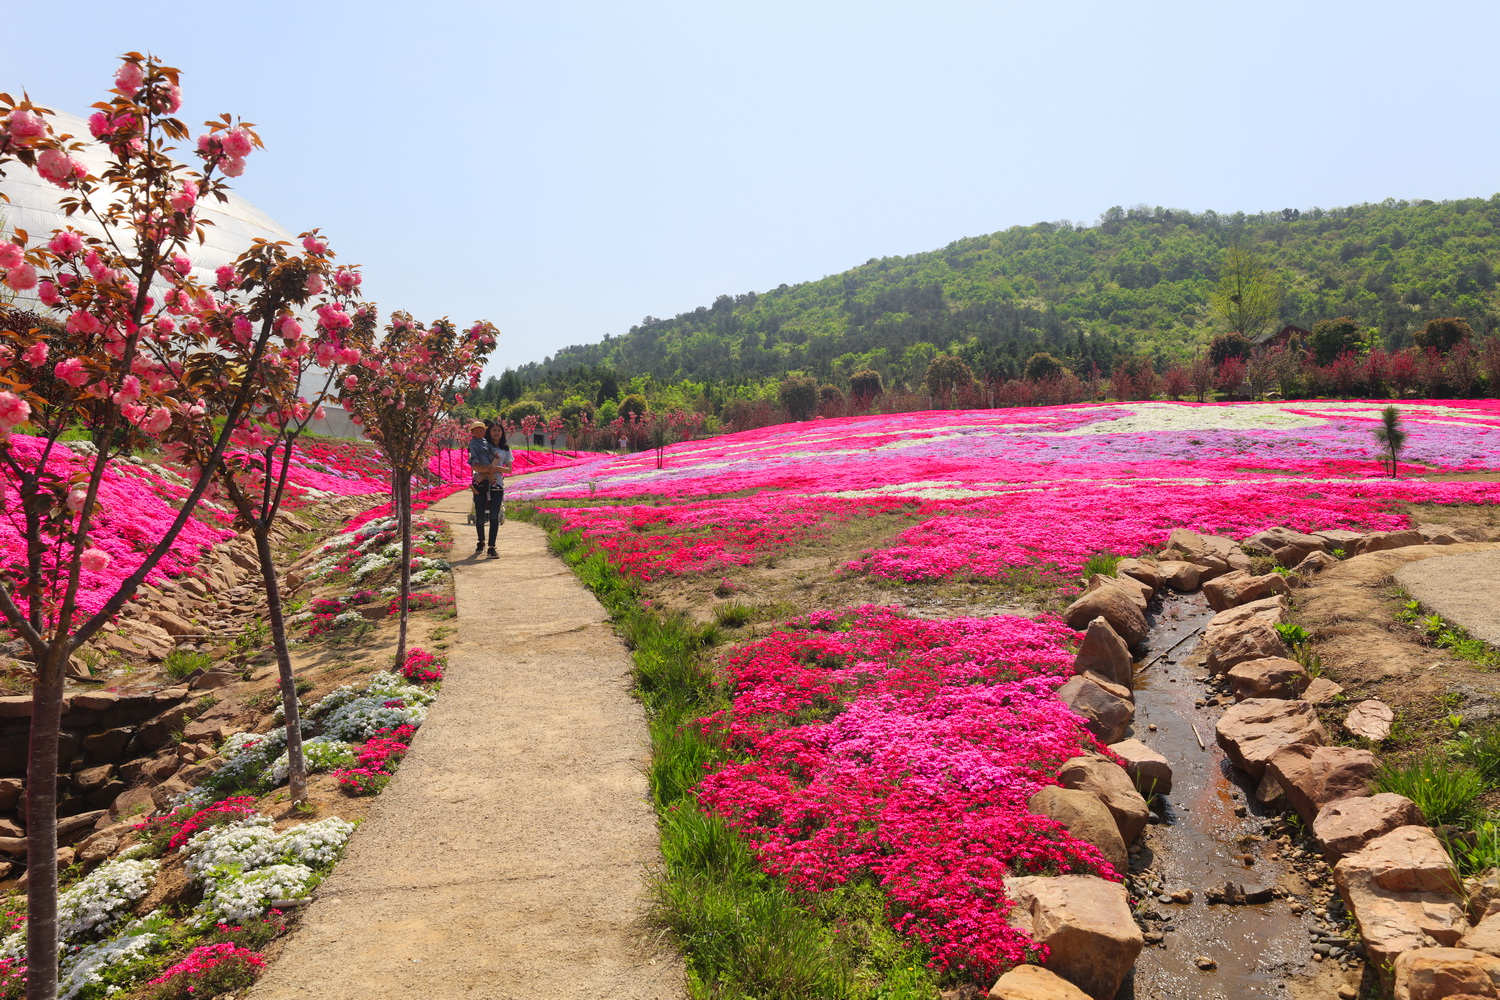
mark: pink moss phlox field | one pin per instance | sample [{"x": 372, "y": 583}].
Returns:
[
  {"x": 1002, "y": 490},
  {"x": 871, "y": 744}
]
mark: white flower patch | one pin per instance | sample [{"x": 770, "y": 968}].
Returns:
[
  {"x": 104, "y": 897},
  {"x": 244, "y": 845},
  {"x": 232, "y": 900},
  {"x": 1158, "y": 418},
  {"x": 321, "y": 754},
  {"x": 78, "y": 970},
  {"x": 355, "y": 713},
  {"x": 317, "y": 845},
  {"x": 347, "y": 619}
]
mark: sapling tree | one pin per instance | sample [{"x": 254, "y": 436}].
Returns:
[
  {"x": 253, "y": 475},
  {"x": 399, "y": 395},
  {"x": 128, "y": 349},
  {"x": 1391, "y": 434}
]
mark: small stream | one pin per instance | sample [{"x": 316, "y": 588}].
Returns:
[{"x": 1198, "y": 845}]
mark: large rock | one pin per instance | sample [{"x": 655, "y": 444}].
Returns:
[
  {"x": 1105, "y": 713},
  {"x": 1274, "y": 677},
  {"x": 1115, "y": 606},
  {"x": 1086, "y": 818},
  {"x": 1239, "y": 587},
  {"x": 1103, "y": 652},
  {"x": 1379, "y": 541},
  {"x": 1254, "y": 640},
  {"x": 1108, "y": 782},
  {"x": 1032, "y": 982},
  {"x": 1252, "y": 731},
  {"x": 1182, "y": 577},
  {"x": 1145, "y": 572},
  {"x": 1313, "y": 776},
  {"x": 1268, "y": 541},
  {"x": 1347, "y": 825},
  {"x": 1139, "y": 592},
  {"x": 1485, "y": 936},
  {"x": 1437, "y": 973},
  {"x": 1191, "y": 545},
  {"x": 1337, "y": 538},
  {"x": 1313, "y": 565},
  {"x": 173, "y": 624},
  {"x": 1085, "y": 923},
  {"x": 1322, "y": 691},
  {"x": 1151, "y": 772},
  {"x": 1403, "y": 893},
  {"x": 1370, "y": 719}
]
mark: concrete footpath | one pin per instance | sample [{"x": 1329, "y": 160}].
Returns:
[{"x": 507, "y": 858}]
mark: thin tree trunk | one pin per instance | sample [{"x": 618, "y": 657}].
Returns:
[
  {"x": 402, "y": 489},
  {"x": 296, "y": 765},
  {"x": 41, "y": 826}
]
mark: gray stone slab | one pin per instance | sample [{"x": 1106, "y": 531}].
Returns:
[{"x": 1464, "y": 589}]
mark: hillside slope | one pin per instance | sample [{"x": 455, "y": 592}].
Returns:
[{"x": 1138, "y": 281}]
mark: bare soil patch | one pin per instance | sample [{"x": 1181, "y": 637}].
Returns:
[
  {"x": 815, "y": 576},
  {"x": 1350, "y": 609}
]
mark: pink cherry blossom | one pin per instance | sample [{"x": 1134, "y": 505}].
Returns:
[
  {"x": 36, "y": 354},
  {"x": 129, "y": 77},
  {"x": 94, "y": 560},
  {"x": 21, "y": 277},
  {"x": 65, "y": 243},
  {"x": 25, "y": 127}
]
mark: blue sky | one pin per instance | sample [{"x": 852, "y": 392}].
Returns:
[{"x": 565, "y": 169}]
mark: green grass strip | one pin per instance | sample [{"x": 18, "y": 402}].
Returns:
[{"x": 743, "y": 934}]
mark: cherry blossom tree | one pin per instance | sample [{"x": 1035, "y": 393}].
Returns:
[
  {"x": 399, "y": 395},
  {"x": 253, "y": 475},
  {"x": 129, "y": 349}
]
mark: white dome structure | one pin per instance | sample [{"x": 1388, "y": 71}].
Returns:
[
  {"x": 33, "y": 207},
  {"x": 234, "y": 226}
]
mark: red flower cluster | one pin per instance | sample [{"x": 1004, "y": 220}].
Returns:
[
  {"x": 421, "y": 666},
  {"x": 378, "y": 759},
  {"x": 871, "y": 745},
  {"x": 183, "y": 822},
  {"x": 222, "y": 964}
]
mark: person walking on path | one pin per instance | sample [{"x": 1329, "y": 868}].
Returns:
[{"x": 490, "y": 458}]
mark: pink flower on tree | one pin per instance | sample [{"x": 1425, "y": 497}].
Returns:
[
  {"x": 36, "y": 354},
  {"x": 65, "y": 243},
  {"x": 60, "y": 168},
  {"x": 129, "y": 77},
  {"x": 21, "y": 277},
  {"x": 94, "y": 560},
  {"x": 25, "y": 127}
]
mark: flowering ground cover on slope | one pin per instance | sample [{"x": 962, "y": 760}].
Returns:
[
  {"x": 869, "y": 747},
  {"x": 871, "y": 744},
  {"x": 996, "y": 490}
]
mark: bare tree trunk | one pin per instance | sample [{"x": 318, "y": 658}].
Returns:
[
  {"x": 41, "y": 826},
  {"x": 401, "y": 488},
  {"x": 296, "y": 765}
]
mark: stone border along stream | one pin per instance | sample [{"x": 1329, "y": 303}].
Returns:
[{"x": 1213, "y": 840}]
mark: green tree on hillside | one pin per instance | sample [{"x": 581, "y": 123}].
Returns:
[
  {"x": 1248, "y": 296},
  {"x": 1229, "y": 345},
  {"x": 865, "y": 385},
  {"x": 1332, "y": 337},
  {"x": 634, "y": 403},
  {"x": 799, "y": 395},
  {"x": 1443, "y": 334},
  {"x": 945, "y": 373},
  {"x": 1042, "y": 366}
]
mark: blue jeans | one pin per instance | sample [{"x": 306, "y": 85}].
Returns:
[{"x": 489, "y": 503}]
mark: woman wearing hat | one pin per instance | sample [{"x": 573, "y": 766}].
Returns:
[{"x": 490, "y": 458}]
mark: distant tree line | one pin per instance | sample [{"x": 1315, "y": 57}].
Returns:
[{"x": 1141, "y": 282}]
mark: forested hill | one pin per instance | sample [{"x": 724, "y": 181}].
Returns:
[{"x": 1139, "y": 281}]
